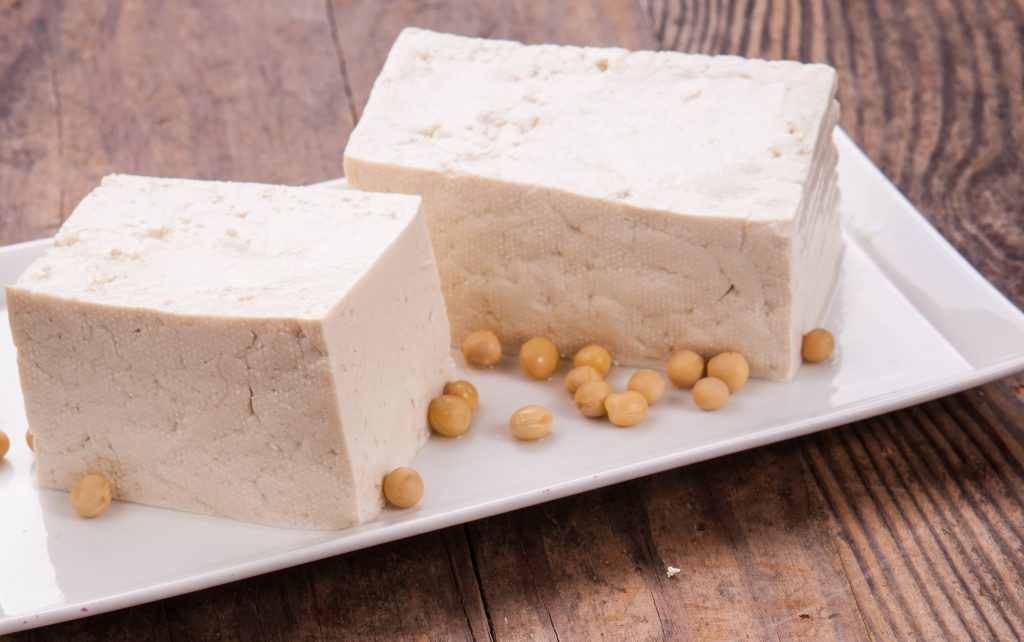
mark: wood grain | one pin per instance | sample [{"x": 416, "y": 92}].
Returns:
[
  {"x": 905, "y": 526},
  {"x": 174, "y": 89}
]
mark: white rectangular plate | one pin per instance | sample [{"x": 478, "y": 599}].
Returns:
[{"x": 913, "y": 321}]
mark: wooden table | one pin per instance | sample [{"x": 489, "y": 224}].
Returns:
[{"x": 909, "y": 525}]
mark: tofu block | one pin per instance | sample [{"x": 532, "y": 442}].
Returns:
[
  {"x": 259, "y": 352},
  {"x": 648, "y": 201}
]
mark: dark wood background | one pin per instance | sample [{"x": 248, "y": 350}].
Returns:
[{"x": 905, "y": 526}]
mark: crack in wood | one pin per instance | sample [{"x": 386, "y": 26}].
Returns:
[
  {"x": 646, "y": 545},
  {"x": 51, "y": 65},
  {"x": 346, "y": 84},
  {"x": 475, "y": 565}
]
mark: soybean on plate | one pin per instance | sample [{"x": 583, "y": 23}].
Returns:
[{"x": 912, "y": 320}]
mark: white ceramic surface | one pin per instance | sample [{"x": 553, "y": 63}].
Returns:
[{"x": 912, "y": 319}]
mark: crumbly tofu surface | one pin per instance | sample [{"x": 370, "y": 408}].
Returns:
[
  {"x": 650, "y": 201},
  {"x": 258, "y": 352}
]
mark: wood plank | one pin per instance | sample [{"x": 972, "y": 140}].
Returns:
[
  {"x": 175, "y": 89},
  {"x": 278, "y": 606},
  {"x": 748, "y": 569},
  {"x": 564, "y": 569},
  {"x": 938, "y": 543},
  {"x": 407, "y": 590},
  {"x": 30, "y": 165},
  {"x": 775, "y": 520}
]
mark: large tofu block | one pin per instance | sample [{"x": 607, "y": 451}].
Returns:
[
  {"x": 259, "y": 352},
  {"x": 649, "y": 201}
]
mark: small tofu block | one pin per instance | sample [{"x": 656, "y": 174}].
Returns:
[
  {"x": 259, "y": 352},
  {"x": 646, "y": 201}
]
